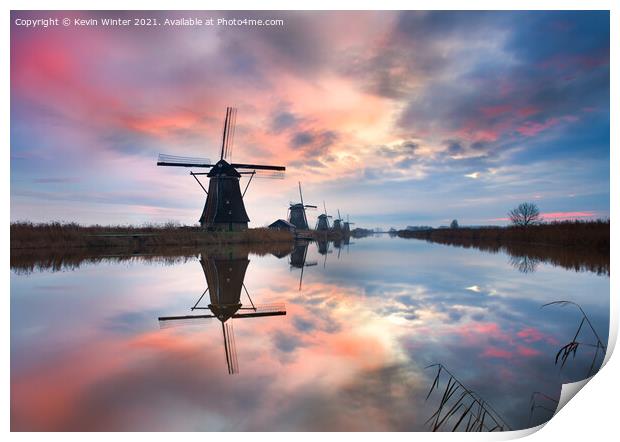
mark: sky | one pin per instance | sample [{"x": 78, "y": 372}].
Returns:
[{"x": 394, "y": 118}]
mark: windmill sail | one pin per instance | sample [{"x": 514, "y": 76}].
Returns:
[
  {"x": 229, "y": 133},
  {"x": 180, "y": 161}
]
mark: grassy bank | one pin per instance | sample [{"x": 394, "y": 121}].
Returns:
[
  {"x": 592, "y": 235},
  {"x": 573, "y": 245},
  {"x": 26, "y": 235}
]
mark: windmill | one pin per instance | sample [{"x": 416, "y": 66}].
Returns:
[
  {"x": 322, "y": 223},
  {"x": 338, "y": 223},
  {"x": 346, "y": 227},
  {"x": 224, "y": 208},
  {"x": 225, "y": 273},
  {"x": 297, "y": 212},
  {"x": 298, "y": 259}
]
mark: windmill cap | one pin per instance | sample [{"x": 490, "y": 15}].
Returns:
[{"x": 222, "y": 167}]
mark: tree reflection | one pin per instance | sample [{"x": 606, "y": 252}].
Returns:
[{"x": 525, "y": 264}]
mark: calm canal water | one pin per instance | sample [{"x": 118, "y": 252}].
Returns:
[{"x": 88, "y": 351}]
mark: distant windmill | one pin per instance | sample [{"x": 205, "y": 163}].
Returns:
[
  {"x": 225, "y": 274},
  {"x": 322, "y": 223},
  {"x": 224, "y": 208},
  {"x": 297, "y": 212},
  {"x": 338, "y": 223},
  {"x": 347, "y": 226},
  {"x": 298, "y": 259}
]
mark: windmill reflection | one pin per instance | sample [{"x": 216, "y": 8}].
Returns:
[
  {"x": 225, "y": 273},
  {"x": 298, "y": 259},
  {"x": 322, "y": 246},
  {"x": 338, "y": 246}
]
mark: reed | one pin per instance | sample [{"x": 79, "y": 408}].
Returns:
[
  {"x": 56, "y": 235},
  {"x": 571, "y": 348}
]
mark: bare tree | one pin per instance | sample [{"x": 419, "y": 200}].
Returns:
[
  {"x": 525, "y": 214},
  {"x": 454, "y": 224}
]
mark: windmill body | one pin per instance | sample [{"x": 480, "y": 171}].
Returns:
[
  {"x": 322, "y": 222},
  {"x": 297, "y": 213},
  {"x": 346, "y": 226},
  {"x": 224, "y": 208},
  {"x": 338, "y": 226},
  {"x": 297, "y": 216}
]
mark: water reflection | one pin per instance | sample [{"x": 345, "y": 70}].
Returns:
[
  {"x": 225, "y": 273},
  {"x": 350, "y": 353},
  {"x": 526, "y": 257}
]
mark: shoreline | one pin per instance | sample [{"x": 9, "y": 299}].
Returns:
[
  {"x": 25, "y": 236},
  {"x": 587, "y": 235}
]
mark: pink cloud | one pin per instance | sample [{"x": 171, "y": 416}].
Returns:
[
  {"x": 527, "y": 351},
  {"x": 581, "y": 61},
  {"x": 527, "y": 111},
  {"x": 567, "y": 215},
  {"x": 557, "y": 216},
  {"x": 530, "y": 334},
  {"x": 529, "y": 128},
  {"x": 495, "y": 352},
  {"x": 493, "y": 111}
]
